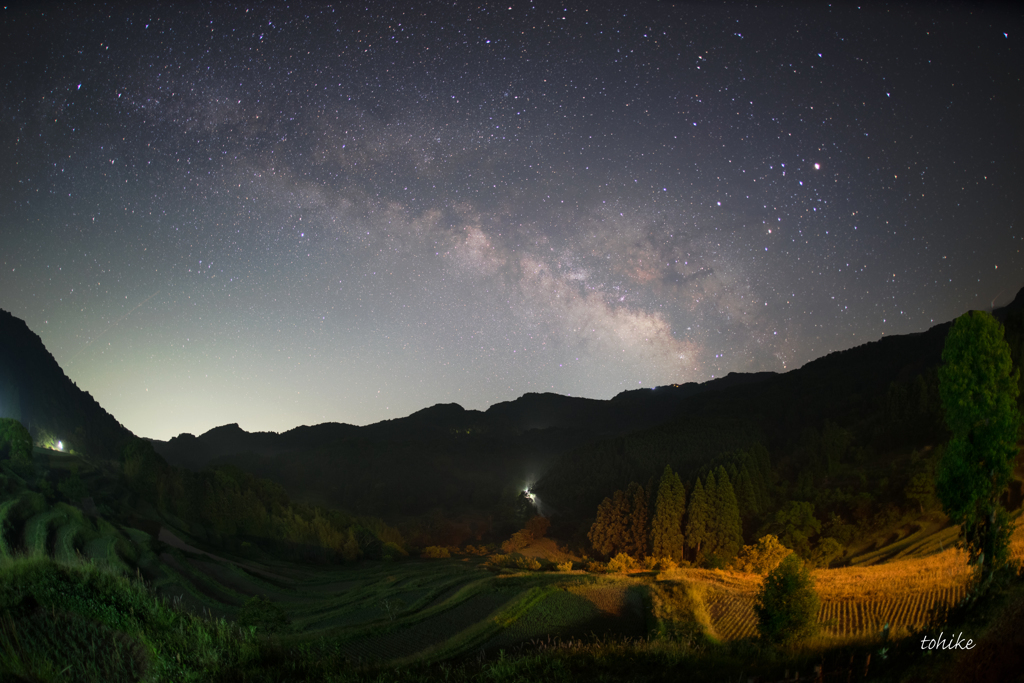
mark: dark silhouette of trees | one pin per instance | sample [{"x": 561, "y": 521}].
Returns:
[
  {"x": 725, "y": 531},
  {"x": 15, "y": 441},
  {"x": 699, "y": 517},
  {"x": 667, "y": 525},
  {"x": 622, "y": 523},
  {"x": 979, "y": 389}
]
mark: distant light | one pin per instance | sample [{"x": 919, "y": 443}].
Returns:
[
  {"x": 817, "y": 167},
  {"x": 60, "y": 445}
]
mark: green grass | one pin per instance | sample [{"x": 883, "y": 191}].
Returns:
[
  {"x": 37, "y": 530},
  {"x": 5, "y": 508}
]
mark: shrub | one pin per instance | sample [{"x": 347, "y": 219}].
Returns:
[
  {"x": 762, "y": 557},
  {"x": 564, "y": 566},
  {"x": 787, "y": 604},
  {"x": 519, "y": 540},
  {"x": 264, "y": 615},
  {"x": 435, "y": 552},
  {"x": 621, "y": 563},
  {"x": 538, "y": 526},
  {"x": 392, "y": 551},
  {"x": 515, "y": 561},
  {"x": 666, "y": 564},
  {"x": 595, "y": 567}
]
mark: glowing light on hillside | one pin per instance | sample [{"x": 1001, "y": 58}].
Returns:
[{"x": 60, "y": 445}]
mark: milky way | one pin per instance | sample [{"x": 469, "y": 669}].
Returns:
[{"x": 284, "y": 215}]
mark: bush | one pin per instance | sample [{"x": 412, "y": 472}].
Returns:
[
  {"x": 787, "y": 604},
  {"x": 538, "y": 526},
  {"x": 595, "y": 567},
  {"x": 762, "y": 557},
  {"x": 564, "y": 566},
  {"x": 515, "y": 561},
  {"x": 435, "y": 552},
  {"x": 392, "y": 551},
  {"x": 621, "y": 563},
  {"x": 519, "y": 540},
  {"x": 264, "y": 615},
  {"x": 666, "y": 564}
]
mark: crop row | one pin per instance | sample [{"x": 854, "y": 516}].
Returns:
[
  {"x": 908, "y": 612},
  {"x": 733, "y": 615},
  {"x": 436, "y": 629},
  {"x": 37, "y": 529},
  {"x": 558, "y": 613}
]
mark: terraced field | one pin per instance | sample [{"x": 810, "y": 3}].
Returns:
[{"x": 434, "y": 609}]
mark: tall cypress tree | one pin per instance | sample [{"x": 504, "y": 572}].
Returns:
[
  {"x": 697, "y": 519},
  {"x": 745, "y": 495},
  {"x": 607, "y": 534},
  {"x": 637, "y": 520},
  {"x": 728, "y": 529},
  {"x": 666, "y": 530}
]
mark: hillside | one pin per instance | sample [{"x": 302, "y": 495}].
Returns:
[
  {"x": 847, "y": 432},
  {"x": 35, "y": 391},
  {"x": 442, "y": 457}
]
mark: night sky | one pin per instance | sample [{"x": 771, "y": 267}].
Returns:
[{"x": 284, "y": 215}]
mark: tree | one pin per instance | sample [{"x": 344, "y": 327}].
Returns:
[
  {"x": 787, "y": 604},
  {"x": 622, "y": 523},
  {"x": 638, "y": 520},
  {"x": 795, "y": 524},
  {"x": 725, "y": 531},
  {"x": 920, "y": 487},
  {"x": 978, "y": 388},
  {"x": 607, "y": 533},
  {"x": 746, "y": 497},
  {"x": 697, "y": 520},
  {"x": 762, "y": 557},
  {"x": 15, "y": 441},
  {"x": 666, "y": 529},
  {"x": 538, "y": 526}
]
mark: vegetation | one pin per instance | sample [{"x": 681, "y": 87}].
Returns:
[
  {"x": 787, "y": 605},
  {"x": 762, "y": 557},
  {"x": 15, "y": 441},
  {"x": 979, "y": 389},
  {"x": 234, "y": 580},
  {"x": 669, "y": 509}
]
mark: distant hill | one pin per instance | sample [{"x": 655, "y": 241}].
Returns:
[
  {"x": 443, "y": 456},
  {"x": 35, "y": 390},
  {"x": 573, "y": 450},
  {"x": 881, "y": 397}
]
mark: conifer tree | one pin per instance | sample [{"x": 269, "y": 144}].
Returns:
[
  {"x": 745, "y": 495},
  {"x": 638, "y": 516},
  {"x": 697, "y": 519},
  {"x": 666, "y": 529},
  {"x": 607, "y": 530},
  {"x": 725, "y": 533}
]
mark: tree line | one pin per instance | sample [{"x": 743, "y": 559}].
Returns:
[
  {"x": 705, "y": 526},
  {"x": 231, "y": 508}
]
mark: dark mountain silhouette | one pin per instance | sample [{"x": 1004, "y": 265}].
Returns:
[
  {"x": 442, "y": 456},
  {"x": 883, "y": 394},
  {"x": 35, "y": 390},
  {"x": 573, "y": 450}
]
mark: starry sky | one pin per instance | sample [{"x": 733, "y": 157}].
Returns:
[{"x": 279, "y": 215}]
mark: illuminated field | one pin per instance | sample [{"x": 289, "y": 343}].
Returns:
[{"x": 855, "y": 601}]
